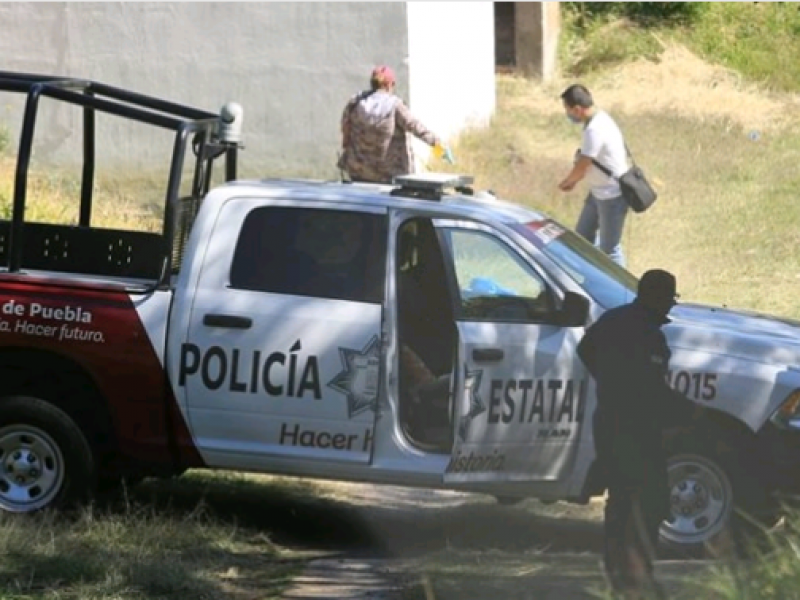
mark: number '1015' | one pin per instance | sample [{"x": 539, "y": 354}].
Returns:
[{"x": 700, "y": 386}]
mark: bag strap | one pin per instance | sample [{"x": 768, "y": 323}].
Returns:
[
  {"x": 628, "y": 151},
  {"x": 606, "y": 170},
  {"x": 600, "y": 166},
  {"x": 359, "y": 97}
]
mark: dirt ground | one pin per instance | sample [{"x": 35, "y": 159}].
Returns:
[
  {"x": 370, "y": 542},
  {"x": 405, "y": 544}
]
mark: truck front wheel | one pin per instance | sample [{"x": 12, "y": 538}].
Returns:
[
  {"x": 717, "y": 507},
  {"x": 45, "y": 460}
]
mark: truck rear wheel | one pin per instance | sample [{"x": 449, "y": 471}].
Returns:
[
  {"x": 110, "y": 485},
  {"x": 45, "y": 460},
  {"x": 509, "y": 500}
]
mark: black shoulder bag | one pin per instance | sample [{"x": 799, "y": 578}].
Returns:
[{"x": 636, "y": 190}]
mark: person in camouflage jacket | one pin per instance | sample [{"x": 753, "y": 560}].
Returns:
[{"x": 374, "y": 124}]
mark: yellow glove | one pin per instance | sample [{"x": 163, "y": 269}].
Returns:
[{"x": 440, "y": 151}]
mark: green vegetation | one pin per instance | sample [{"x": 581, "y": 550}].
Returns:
[
  {"x": 773, "y": 575},
  {"x": 760, "y": 40},
  {"x": 645, "y": 14}
]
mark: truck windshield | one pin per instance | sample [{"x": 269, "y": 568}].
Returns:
[{"x": 606, "y": 282}]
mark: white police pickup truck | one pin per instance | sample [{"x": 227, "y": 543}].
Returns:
[{"x": 419, "y": 334}]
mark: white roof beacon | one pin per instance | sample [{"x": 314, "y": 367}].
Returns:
[{"x": 431, "y": 186}]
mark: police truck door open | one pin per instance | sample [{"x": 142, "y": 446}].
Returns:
[{"x": 521, "y": 391}]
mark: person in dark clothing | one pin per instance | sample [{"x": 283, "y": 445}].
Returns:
[{"x": 627, "y": 354}]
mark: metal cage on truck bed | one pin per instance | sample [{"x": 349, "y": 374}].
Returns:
[{"x": 88, "y": 250}]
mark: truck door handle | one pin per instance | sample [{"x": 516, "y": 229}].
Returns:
[
  {"x": 230, "y": 321},
  {"x": 487, "y": 354}
]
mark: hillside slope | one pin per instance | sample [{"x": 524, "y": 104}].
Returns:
[{"x": 722, "y": 152}]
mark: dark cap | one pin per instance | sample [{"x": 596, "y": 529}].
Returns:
[{"x": 657, "y": 284}]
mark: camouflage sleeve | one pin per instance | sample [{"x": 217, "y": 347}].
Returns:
[
  {"x": 408, "y": 123},
  {"x": 345, "y": 121}
]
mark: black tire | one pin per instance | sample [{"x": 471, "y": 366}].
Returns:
[
  {"x": 508, "y": 500},
  {"x": 34, "y": 432},
  {"x": 112, "y": 484},
  {"x": 746, "y": 508}
]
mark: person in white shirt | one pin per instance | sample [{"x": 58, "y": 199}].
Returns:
[{"x": 603, "y": 216}]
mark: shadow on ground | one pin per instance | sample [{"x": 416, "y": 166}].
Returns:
[
  {"x": 439, "y": 545},
  {"x": 393, "y": 523}
]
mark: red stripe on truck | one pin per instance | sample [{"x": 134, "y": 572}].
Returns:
[{"x": 102, "y": 332}]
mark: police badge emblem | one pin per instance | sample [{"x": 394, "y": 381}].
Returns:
[
  {"x": 472, "y": 384},
  {"x": 360, "y": 377}
]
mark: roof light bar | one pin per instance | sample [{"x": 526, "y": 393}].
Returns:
[{"x": 431, "y": 186}]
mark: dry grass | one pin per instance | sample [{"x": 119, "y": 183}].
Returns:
[
  {"x": 677, "y": 84},
  {"x": 727, "y": 219},
  {"x": 183, "y": 539},
  {"x": 53, "y": 196}
]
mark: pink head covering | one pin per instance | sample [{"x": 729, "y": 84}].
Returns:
[{"x": 382, "y": 76}]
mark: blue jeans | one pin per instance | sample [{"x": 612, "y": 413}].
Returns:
[{"x": 601, "y": 222}]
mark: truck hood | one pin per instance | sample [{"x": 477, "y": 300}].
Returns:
[{"x": 738, "y": 333}]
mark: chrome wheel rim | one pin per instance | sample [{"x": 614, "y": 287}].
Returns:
[
  {"x": 31, "y": 468},
  {"x": 701, "y": 500}
]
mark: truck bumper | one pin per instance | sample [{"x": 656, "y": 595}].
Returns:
[{"x": 779, "y": 459}]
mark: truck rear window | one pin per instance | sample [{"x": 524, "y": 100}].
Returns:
[{"x": 333, "y": 254}]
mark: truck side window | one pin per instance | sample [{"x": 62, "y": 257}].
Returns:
[
  {"x": 494, "y": 283},
  {"x": 331, "y": 254}
]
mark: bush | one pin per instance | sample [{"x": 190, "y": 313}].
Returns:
[
  {"x": 643, "y": 13},
  {"x": 760, "y": 40}
]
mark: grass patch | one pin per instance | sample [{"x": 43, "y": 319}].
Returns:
[
  {"x": 122, "y": 201},
  {"x": 154, "y": 543},
  {"x": 475, "y": 575},
  {"x": 726, "y": 220},
  {"x": 760, "y": 40}
]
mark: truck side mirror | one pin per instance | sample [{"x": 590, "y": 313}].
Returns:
[{"x": 574, "y": 310}]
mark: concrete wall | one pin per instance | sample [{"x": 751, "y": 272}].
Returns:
[
  {"x": 504, "y": 29},
  {"x": 537, "y": 28},
  {"x": 451, "y": 62},
  {"x": 291, "y": 65}
]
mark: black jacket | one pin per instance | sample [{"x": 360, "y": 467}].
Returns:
[{"x": 627, "y": 354}]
